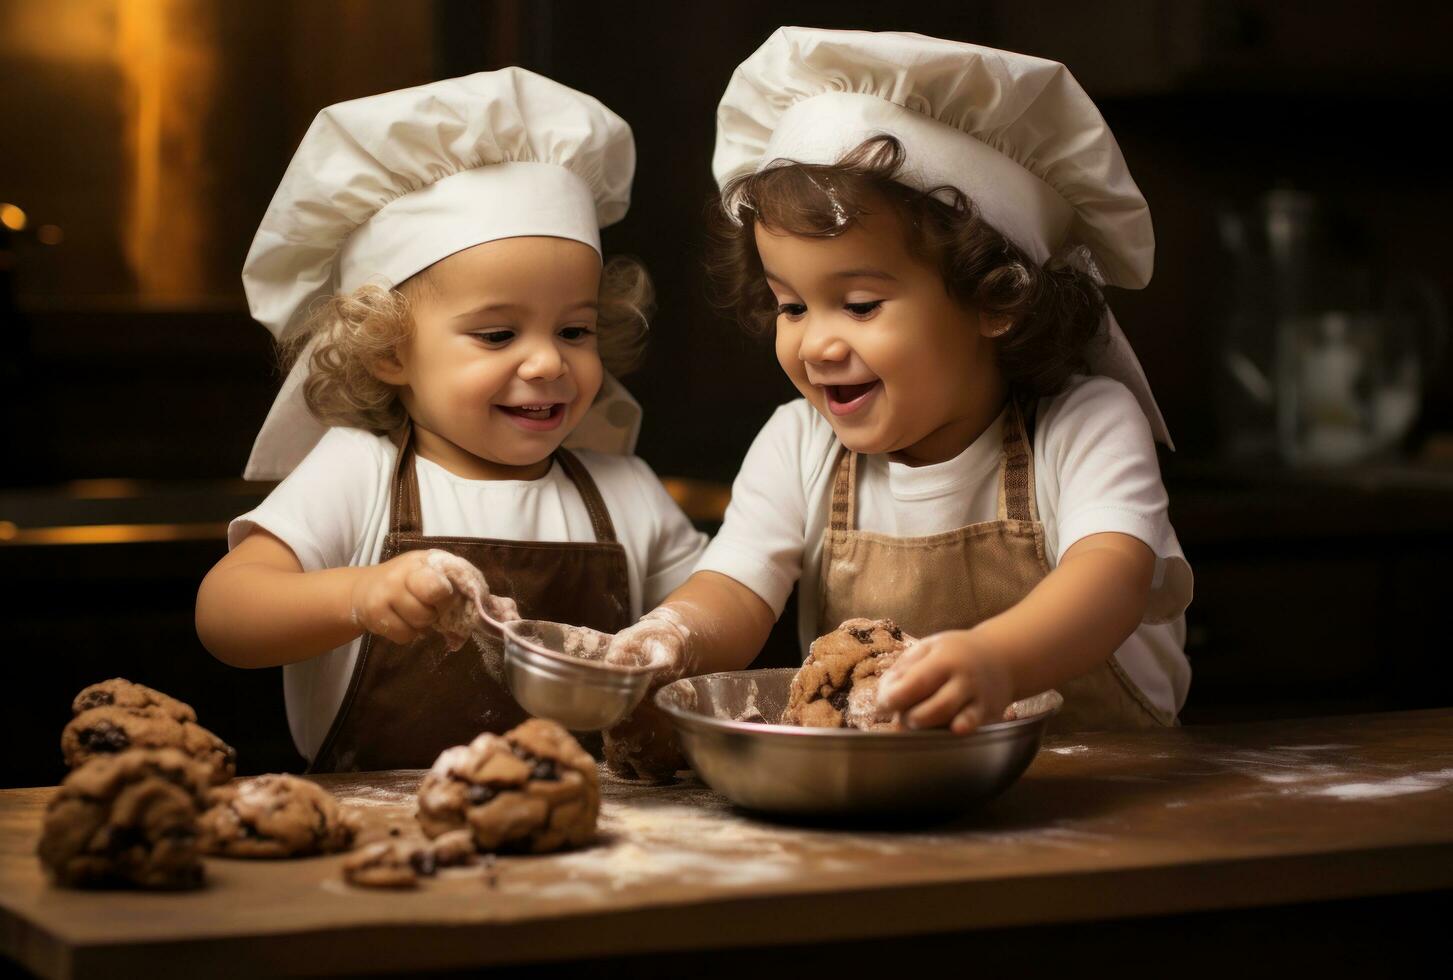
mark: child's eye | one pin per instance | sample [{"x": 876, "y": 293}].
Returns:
[
  {"x": 494, "y": 337},
  {"x": 791, "y": 310},
  {"x": 863, "y": 309},
  {"x": 576, "y": 333}
]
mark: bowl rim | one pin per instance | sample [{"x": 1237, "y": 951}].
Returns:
[
  {"x": 609, "y": 673},
  {"x": 798, "y": 733}
]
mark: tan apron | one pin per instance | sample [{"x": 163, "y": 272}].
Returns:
[
  {"x": 957, "y": 579},
  {"x": 406, "y": 704}
]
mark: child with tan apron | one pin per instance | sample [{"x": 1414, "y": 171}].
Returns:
[
  {"x": 925, "y": 225},
  {"x": 431, "y": 263}
]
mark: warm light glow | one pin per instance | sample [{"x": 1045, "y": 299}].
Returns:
[
  {"x": 168, "y": 68},
  {"x": 702, "y": 500},
  {"x": 110, "y": 533},
  {"x": 12, "y": 217}
]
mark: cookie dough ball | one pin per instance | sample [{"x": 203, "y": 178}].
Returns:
[
  {"x": 275, "y": 816},
  {"x": 104, "y": 730},
  {"x": 121, "y": 693},
  {"x": 532, "y": 789},
  {"x": 128, "y": 819},
  {"x": 837, "y": 686},
  {"x": 645, "y": 747}
]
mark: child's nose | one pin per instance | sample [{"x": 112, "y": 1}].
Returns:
[
  {"x": 820, "y": 344},
  {"x": 542, "y": 363}
]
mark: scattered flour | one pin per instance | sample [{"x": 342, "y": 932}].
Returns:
[
  {"x": 1067, "y": 749},
  {"x": 1421, "y": 782}
]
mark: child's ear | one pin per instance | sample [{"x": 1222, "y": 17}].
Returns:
[
  {"x": 390, "y": 370},
  {"x": 994, "y": 326}
]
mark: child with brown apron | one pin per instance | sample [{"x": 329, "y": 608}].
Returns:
[
  {"x": 431, "y": 264},
  {"x": 925, "y": 226}
]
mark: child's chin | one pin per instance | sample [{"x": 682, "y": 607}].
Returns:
[{"x": 866, "y": 444}]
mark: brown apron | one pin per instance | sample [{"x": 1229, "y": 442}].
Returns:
[
  {"x": 957, "y": 579},
  {"x": 406, "y": 704}
]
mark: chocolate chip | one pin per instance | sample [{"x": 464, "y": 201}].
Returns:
[
  {"x": 96, "y": 699},
  {"x": 895, "y": 631},
  {"x": 105, "y": 737},
  {"x": 423, "y": 862},
  {"x": 545, "y": 770},
  {"x": 481, "y": 794},
  {"x": 863, "y": 634}
]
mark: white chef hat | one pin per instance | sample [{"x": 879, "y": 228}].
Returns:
[
  {"x": 385, "y": 186},
  {"x": 1015, "y": 133}
]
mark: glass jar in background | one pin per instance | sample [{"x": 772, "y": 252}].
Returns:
[{"x": 1323, "y": 364}]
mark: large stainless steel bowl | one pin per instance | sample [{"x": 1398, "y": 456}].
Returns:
[
  {"x": 728, "y": 729},
  {"x": 582, "y": 695}
]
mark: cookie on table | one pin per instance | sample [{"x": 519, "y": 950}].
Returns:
[
  {"x": 126, "y": 819},
  {"x": 121, "y": 693},
  {"x": 275, "y": 816},
  {"x": 111, "y": 729},
  {"x": 532, "y": 789},
  {"x": 399, "y": 862},
  {"x": 837, "y": 686}
]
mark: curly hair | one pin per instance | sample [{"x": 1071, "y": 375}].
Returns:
[
  {"x": 356, "y": 330},
  {"x": 1054, "y": 315}
]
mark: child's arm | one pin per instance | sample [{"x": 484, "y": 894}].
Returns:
[
  {"x": 258, "y": 608},
  {"x": 1075, "y": 619},
  {"x": 711, "y": 623}
]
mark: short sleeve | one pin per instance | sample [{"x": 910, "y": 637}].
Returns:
[
  {"x": 762, "y": 539},
  {"x": 675, "y": 544},
  {"x": 322, "y": 509},
  {"x": 1098, "y": 444}
]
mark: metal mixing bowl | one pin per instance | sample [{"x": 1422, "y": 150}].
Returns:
[
  {"x": 582, "y": 695},
  {"x": 728, "y": 729}
]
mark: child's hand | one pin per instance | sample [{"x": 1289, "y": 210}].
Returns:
[
  {"x": 951, "y": 678},
  {"x": 658, "y": 641},
  {"x": 401, "y": 598}
]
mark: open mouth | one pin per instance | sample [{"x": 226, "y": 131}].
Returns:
[
  {"x": 535, "y": 418},
  {"x": 847, "y": 399}
]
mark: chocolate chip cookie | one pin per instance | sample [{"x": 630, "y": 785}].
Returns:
[
  {"x": 275, "y": 816},
  {"x": 532, "y": 789},
  {"x": 837, "y": 686},
  {"x": 399, "y": 862},
  {"x": 121, "y": 693},
  {"x": 126, "y": 819},
  {"x": 111, "y": 729}
]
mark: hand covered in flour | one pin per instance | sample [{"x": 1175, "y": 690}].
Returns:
[
  {"x": 401, "y": 598},
  {"x": 952, "y": 679},
  {"x": 657, "y": 641}
]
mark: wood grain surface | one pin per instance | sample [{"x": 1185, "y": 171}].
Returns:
[{"x": 1100, "y": 827}]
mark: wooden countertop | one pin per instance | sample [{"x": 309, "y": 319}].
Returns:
[{"x": 1100, "y": 827}]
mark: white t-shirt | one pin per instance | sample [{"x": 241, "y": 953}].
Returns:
[
  {"x": 333, "y": 511},
  {"x": 1095, "y": 470}
]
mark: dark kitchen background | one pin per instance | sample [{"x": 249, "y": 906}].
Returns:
[{"x": 1294, "y": 330}]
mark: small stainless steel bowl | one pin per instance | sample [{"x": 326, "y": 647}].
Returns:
[
  {"x": 728, "y": 729},
  {"x": 582, "y": 695}
]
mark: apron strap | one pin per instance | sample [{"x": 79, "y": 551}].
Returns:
[
  {"x": 407, "y": 516},
  {"x": 605, "y": 531},
  {"x": 1016, "y": 472},
  {"x": 844, "y": 510}
]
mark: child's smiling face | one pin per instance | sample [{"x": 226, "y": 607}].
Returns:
[
  {"x": 502, "y": 363},
  {"x": 869, "y": 334}
]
